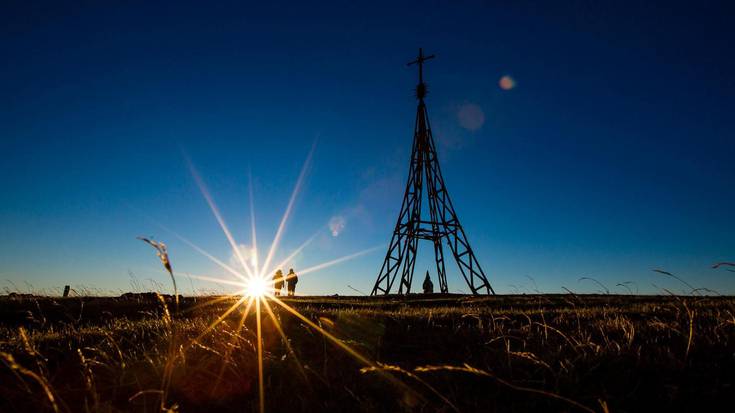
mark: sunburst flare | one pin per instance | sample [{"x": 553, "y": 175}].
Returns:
[{"x": 255, "y": 288}]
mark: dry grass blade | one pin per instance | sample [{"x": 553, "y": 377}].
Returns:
[
  {"x": 143, "y": 393},
  {"x": 27, "y": 343},
  {"x": 691, "y": 288},
  {"x": 530, "y": 357},
  {"x": 625, "y": 285},
  {"x": 597, "y": 282},
  {"x": 9, "y": 361},
  {"x": 466, "y": 368},
  {"x": 690, "y": 313},
  {"x": 380, "y": 367},
  {"x": 162, "y": 253},
  {"x": 573, "y": 343}
]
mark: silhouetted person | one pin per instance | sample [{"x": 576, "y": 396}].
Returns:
[
  {"x": 428, "y": 285},
  {"x": 278, "y": 282},
  {"x": 291, "y": 280}
]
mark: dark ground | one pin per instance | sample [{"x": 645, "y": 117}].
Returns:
[{"x": 424, "y": 353}]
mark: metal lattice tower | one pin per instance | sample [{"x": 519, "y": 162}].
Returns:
[{"x": 443, "y": 224}]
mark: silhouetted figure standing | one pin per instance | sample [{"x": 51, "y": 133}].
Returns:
[
  {"x": 428, "y": 285},
  {"x": 278, "y": 282},
  {"x": 291, "y": 280}
]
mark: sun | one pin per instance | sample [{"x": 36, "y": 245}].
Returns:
[{"x": 256, "y": 287}]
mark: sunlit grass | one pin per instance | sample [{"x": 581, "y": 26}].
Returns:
[{"x": 521, "y": 353}]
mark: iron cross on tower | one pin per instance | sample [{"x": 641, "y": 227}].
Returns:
[
  {"x": 442, "y": 225},
  {"x": 421, "y": 87}
]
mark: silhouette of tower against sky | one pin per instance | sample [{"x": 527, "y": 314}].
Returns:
[{"x": 442, "y": 224}]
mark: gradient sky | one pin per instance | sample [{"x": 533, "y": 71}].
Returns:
[{"x": 612, "y": 155}]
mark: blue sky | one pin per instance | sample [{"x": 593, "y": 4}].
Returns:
[{"x": 611, "y": 156}]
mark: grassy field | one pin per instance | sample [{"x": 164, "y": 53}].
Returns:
[{"x": 439, "y": 353}]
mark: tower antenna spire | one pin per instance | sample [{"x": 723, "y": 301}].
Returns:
[
  {"x": 420, "y": 59},
  {"x": 425, "y": 181}
]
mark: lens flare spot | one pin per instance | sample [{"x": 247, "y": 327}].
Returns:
[
  {"x": 471, "y": 116},
  {"x": 337, "y": 225},
  {"x": 507, "y": 83}
]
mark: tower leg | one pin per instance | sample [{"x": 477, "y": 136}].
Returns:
[
  {"x": 466, "y": 261},
  {"x": 408, "y": 265},
  {"x": 441, "y": 273},
  {"x": 402, "y": 248}
]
